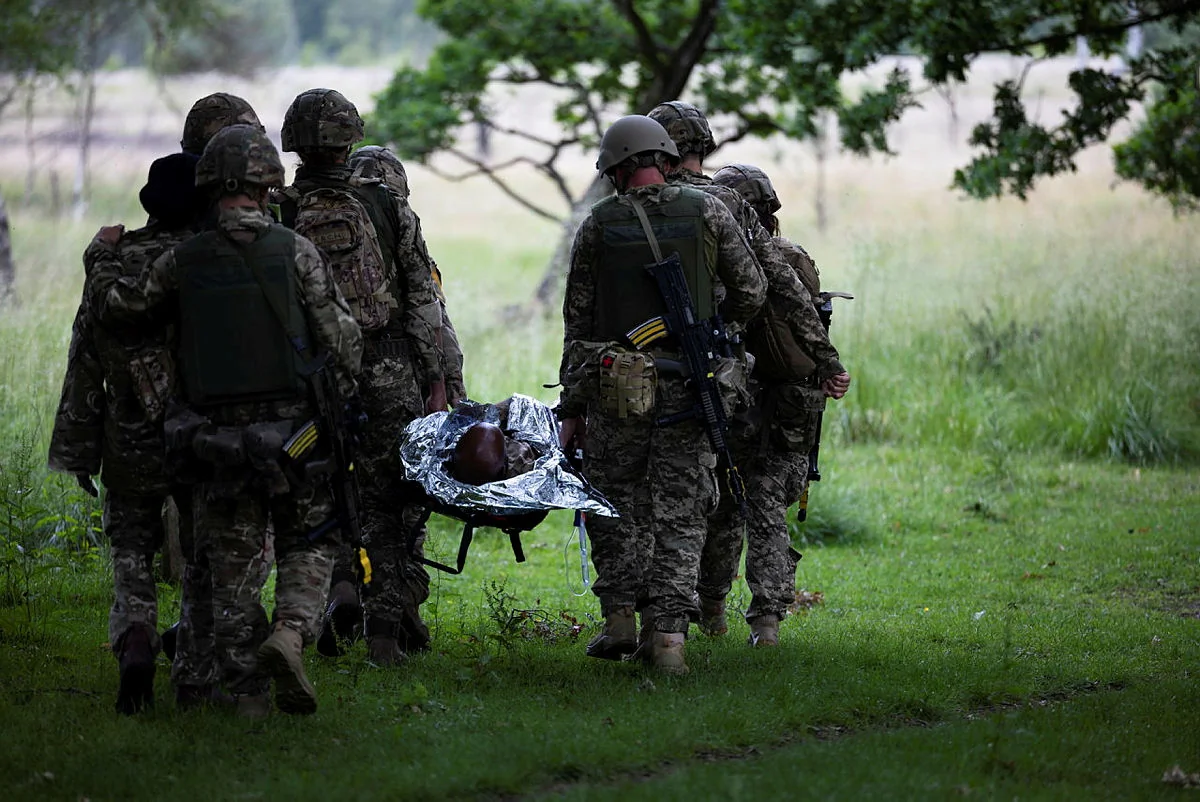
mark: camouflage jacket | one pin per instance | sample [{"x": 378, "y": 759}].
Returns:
[
  {"x": 787, "y": 290},
  {"x": 452, "y": 355},
  {"x": 329, "y": 318},
  {"x": 738, "y": 284},
  {"x": 419, "y": 315},
  {"x": 118, "y": 378}
]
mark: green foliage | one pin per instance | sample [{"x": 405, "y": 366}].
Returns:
[{"x": 239, "y": 37}]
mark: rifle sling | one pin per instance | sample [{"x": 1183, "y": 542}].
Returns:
[{"x": 646, "y": 227}]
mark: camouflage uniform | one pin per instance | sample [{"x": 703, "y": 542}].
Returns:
[
  {"x": 661, "y": 480},
  {"x": 400, "y": 362},
  {"x": 233, "y": 503}
]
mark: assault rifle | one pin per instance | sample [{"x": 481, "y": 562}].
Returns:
[
  {"x": 701, "y": 342},
  {"x": 825, "y": 313}
]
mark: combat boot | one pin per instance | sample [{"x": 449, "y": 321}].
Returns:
[
  {"x": 190, "y": 697},
  {"x": 136, "y": 661},
  {"x": 666, "y": 654},
  {"x": 384, "y": 650},
  {"x": 252, "y": 705},
  {"x": 712, "y": 617},
  {"x": 282, "y": 657},
  {"x": 343, "y": 620},
  {"x": 764, "y": 630},
  {"x": 619, "y": 637}
]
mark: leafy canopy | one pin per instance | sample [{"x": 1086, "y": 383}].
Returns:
[{"x": 778, "y": 68}]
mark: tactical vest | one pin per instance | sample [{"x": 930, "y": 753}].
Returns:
[
  {"x": 233, "y": 346},
  {"x": 626, "y": 294}
]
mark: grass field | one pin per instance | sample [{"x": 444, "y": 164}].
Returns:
[{"x": 1006, "y": 542}]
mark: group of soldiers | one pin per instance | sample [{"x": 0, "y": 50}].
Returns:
[{"x": 209, "y": 341}]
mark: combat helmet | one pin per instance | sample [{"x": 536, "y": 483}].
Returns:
[
  {"x": 210, "y": 114},
  {"x": 321, "y": 118},
  {"x": 239, "y": 157},
  {"x": 630, "y": 136},
  {"x": 687, "y": 126},
  {"x": 373, "y": 161},
  {"x": 751, "y": 183}
]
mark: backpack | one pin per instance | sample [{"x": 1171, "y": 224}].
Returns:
[
  {"x": 336, "y": 220},
  {"x": 778, "y": 357}
]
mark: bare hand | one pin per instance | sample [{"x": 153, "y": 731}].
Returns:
[
  {"x": 436, "y": 402},
  {"x": 572, "y": 434},
  {"x": 85, "y": 482},
  {"x": 836, "y": 386},
  {"x": 110, "y": 234}
]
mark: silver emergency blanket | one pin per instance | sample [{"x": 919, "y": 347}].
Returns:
[{"x": 427, "y": 444}]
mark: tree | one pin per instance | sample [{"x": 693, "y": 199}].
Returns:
[{"x": 778, "y": 68}]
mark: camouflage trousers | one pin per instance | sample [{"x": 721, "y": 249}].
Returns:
[
  {"x": 231, "y": 532},
  {"x": 662, "y": 482},
  {"x": 134, "y": 526},
  {"x": 774, "y": 481},
  {"x": 195, "y": 662},
  {"x": 391, "y": 397}
]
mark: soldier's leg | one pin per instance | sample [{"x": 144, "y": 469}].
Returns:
[
  {"x": 770, "y": 559},
  {"x": 194, "y": 671},
  {"x": 684, "y": 494},
  {"x": 615, "y": 463},
  {"x": 231, "y": 531},
  {"x": 302, "y": 578},
  {"x": 719, "y": 562},
  {"x": 343, "y": 618},
  {"x": 134, "y": 526}
]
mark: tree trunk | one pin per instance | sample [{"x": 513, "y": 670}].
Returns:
[
  {"x": 549, "y": 290},
  {"x": 820, "y": 199},
  {"x": 87, "y": 114},
  {"x": 8, "y": 275},
  {"x": 30, "y": 144}
]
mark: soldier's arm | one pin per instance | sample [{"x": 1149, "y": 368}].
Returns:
[
  {"x": 421, "y": 315},
  {"x": 737, "y": 268},
  {"x": 578, "y": 317},
  {"x": 76, "y": 441},
  {"x": 452, "y": 356},
  {"x": 329, "y": 316},
  {"x": 113, "y": 297}
]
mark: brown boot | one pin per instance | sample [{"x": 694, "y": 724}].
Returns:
[
  {"x": 384, "y": 650},
  {"x": 136, "y": 660},
  {"x": 712, "y": 617},
  {"x": 343, "y": 620},
  {"x": 666, "y": 654},
  {"x": 282, "y": 657},
  {"x": 764, "y": 630},
  {"x": 252, "y": 705},
  {"x": 619, "y": 637}
]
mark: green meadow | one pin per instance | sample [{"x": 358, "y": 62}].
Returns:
[{"x": 1001, "y": 565}]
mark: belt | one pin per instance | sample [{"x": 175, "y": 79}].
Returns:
[{"x": 385, "y": 346}]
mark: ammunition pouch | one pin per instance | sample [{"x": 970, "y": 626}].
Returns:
[
  {"x": 628, "y": 380},
  {"x": 220, "y": 446},
  {"x": 796, "y": 417}
]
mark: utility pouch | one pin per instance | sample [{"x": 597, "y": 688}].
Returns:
[
  {"x": 797, "y": 417},
  {"x": 153, "y": 372},
  {"x": 779, "y": 358},
  {"x": 733, "y": 381},
  {"x": 264, "y": 449},
  {"x": 222, "y": 446},
  {"x": 627, "y": 383}
]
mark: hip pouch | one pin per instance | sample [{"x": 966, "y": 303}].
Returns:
[
  {"x": 797, "y": 417},
  {"x": 627, "y": 383}
]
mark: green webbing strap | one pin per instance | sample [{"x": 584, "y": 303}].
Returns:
[{"x": 645, "y": 221}]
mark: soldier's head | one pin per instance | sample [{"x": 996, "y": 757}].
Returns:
[
  {"x": 170, "y": 196},
  {"x": 210, "y": 114},
  {"x": 752, "y": 184},
  {"x": 321, "y": 125},
  {"x": 239, "y": 160},
  {"x": 632, "y": 143},
  {"x": 373, "y": 161},
  {"x": 688, "y": 128},
  {"x": 479, "y": 455}
]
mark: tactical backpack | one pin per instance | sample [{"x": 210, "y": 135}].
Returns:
[
  {"x": 337, "y": 221},
  {"x": 777, "y": 355}
]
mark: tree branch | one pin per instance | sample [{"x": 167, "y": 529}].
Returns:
[
  {"x": 646, "y": 44},
  {"x": 490, "y": 173}
]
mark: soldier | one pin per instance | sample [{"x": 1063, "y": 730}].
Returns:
[
  {"x": 771, "y": 478},
  {"x": 388, "y": 281},
  {"x": 256, "y": 308},
  {"x": 210, "y": 114},
  {"x": 109, "y": 422},
  {"x": 661, "y": 479}
]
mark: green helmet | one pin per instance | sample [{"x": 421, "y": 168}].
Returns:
[
  {"x": 687, "y": 126},
  {"x": 321, "y": 118},
  {"x": 238, "y": 157},
  {"x": 210, "y": 114},
  {"x": 630, "y": 136},
  {"x": 373, "y": 161},
  {"x": 751, "y": 183}
]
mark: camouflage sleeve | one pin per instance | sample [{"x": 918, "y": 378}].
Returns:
[
  {"x": 737, "y": 268},
  {"x": 329, "y": 316},
  {"x": 77, "y": 440},
  {"x": 788, "y": 293},
  {"x": 420, "y": 313},
  {"x": 110, "y": 296},
  {"x": 578, "y": 318},
  {"x": 453, "y": 360}
]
